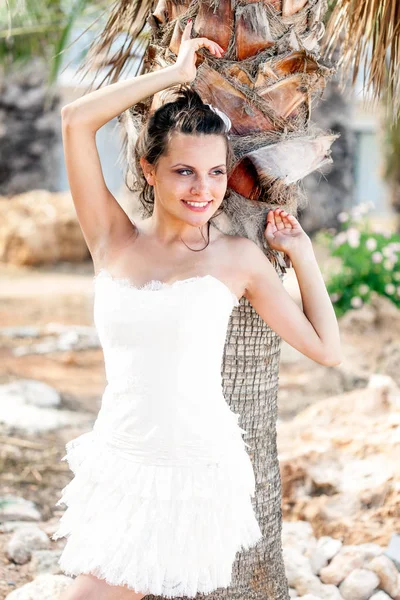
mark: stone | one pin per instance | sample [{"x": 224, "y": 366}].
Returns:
[
  {"x": 40, "y": 227},
  {"x": 388, "y": 575},
  {"x": 326, "y": 548},
  {"x": 15, "y": 508},
  {"x": 45, "y": 561},
  {"x": 359, "y": 585},
  {"x": 43, "y": 587},
  {"x": 298, "y": 534},
  {"x": 380, "y": 596},
  {"x": 296, "y": 565},
  {"x": 20, "y": 408},
  {"x": 348, "y": 559},
  {"x": 24, "y": 541}
]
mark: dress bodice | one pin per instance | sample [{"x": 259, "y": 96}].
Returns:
[{"x": 163, "y": 346}]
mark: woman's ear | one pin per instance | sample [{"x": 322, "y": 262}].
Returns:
[{"x": 148, "y": 170}]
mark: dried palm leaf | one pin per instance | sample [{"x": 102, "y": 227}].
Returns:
[
  {"x": 285, "y": 96},
  {"x": 127, "y": 17},
  {"x": 239, "y": 74},
  {"x": 161, "y": 11},
  {"x": 175, "y": 9},
  {"x": 252, "y": 30},
  {"x": 369, "y": 33},
  {"x": 215, "y": 24},
  {"x": 215, "y": 89},
  {"x": 291, "y": 7},
  {"x": 292, "y": 159},
  {"x": 244, "y": 180}
]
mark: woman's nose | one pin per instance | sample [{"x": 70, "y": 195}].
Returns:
[{"x": 200, "y": 186}]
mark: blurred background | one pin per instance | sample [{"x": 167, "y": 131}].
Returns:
[{"x": 338, "y": 427}]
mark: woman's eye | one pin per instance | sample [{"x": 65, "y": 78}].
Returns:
[{"x": 181, "y": 171}]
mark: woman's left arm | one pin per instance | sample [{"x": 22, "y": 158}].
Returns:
[{"x": 313, "y": 331}]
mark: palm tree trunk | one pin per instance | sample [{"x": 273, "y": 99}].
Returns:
[{"x": 266, "y": 82}]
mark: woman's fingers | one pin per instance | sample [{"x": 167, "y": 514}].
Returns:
[
  {"x": 202, "y": 41},
  {"x": 280, "y": 219}
]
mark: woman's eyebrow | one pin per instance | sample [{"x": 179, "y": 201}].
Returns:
[{"x": 183, "y": 165}]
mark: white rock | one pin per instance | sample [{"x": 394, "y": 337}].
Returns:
[
  {"x": 380, "y": 596},
  {"x": 359, "y": 585},
  {"x": 44, "y": 587},
  {"x": 296, "y": 565},
  {"x": 327, "y": 547},
  {"x": 317, "y": 561},
  {"x": 299, "y": 535},
  {"x": 347, "y": 559},
  {"x": 15, "y": 508},
  {"x": 24, "y": 541},
  {"x": 387, "y": 573},
  {"x": 20, "y": 407},
  {"x": 370, "y": 550},
  {"x": 33, "y": 392},
  {"x": 45, "y": 561}
]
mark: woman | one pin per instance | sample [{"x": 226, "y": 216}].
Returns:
[{"x": 161, "y": 498}]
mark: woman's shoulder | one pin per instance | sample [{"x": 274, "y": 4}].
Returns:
[{"x": 239, "y": 243}]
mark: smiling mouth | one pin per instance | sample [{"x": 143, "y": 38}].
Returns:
[{"x": 197, "y": 205}]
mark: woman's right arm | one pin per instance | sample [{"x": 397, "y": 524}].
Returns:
[{"x": 104, "y": 224}]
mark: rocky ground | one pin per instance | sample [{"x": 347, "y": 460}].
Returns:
[{"x": 338, "y": 436}]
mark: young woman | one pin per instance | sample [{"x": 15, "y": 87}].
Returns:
[{"x": 161, "y": 498}]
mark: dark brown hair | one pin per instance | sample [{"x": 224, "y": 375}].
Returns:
[{"x": 187, "y": 114}]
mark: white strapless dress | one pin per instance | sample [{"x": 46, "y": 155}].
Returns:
[{"x": 161, "y": 495}]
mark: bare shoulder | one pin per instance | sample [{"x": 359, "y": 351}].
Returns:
[{"x": 245, "y": 253}]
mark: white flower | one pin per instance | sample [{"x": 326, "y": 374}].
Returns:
[
  {"x": 343, "y": 217},
  {"x": 371, "y": 244},
  {"x": 335, "y": 297},
  {"x": 389, "y": 288},
  {"x": 356, "y": 302},
  {"x": 353, "y": 237},
  {"x": 376, "y": 257},
  {"x": 396, "y": 276},
  {"x": 340, "y": 239},
  {"x": 398, "y": 290},
  {"x": 363, "y": 289},
  {"x": 388, "y": 264}
]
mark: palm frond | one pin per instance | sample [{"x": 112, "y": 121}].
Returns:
[
  {"x": 369, "y": 34},
  {"x": 127, "y": 18}
]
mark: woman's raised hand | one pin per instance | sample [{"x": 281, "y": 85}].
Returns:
[
  {"x": 283, "y": 231},
  {"x": 186, "y": 60}
]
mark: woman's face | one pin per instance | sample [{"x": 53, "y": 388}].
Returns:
[{"x": 190, "y": 181}]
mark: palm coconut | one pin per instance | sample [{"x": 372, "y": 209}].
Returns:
[{"x": 266, "y": 83}]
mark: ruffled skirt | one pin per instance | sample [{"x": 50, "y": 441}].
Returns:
[{"x": 158, "y": 529}]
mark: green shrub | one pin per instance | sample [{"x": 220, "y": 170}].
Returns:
[{"x": 368, "y": 261}]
